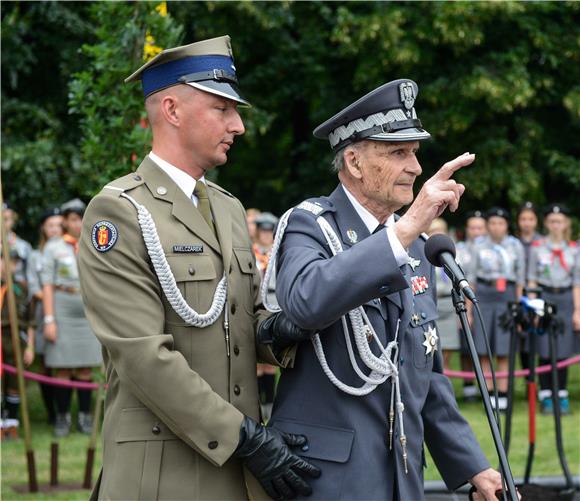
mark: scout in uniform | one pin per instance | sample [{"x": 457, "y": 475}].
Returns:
[
  {"x": 497, "y": 271},
  {"x": 50, "y": 227},
  {"x": 474, "y": 230},
  {"x": 555, "y": 268},
  {"x": 70, "y": 348},
  {"x": 369, "y": 388},
  {"x": 171, "y": 290},
  {"x": 20, "y": 246}
]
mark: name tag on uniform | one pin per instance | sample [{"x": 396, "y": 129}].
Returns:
[{"x": 188, "y": 249}]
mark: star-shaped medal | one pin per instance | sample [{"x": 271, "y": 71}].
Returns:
[
  {"x": 413, "y": 263},
  {"x": 430, "y": 342}
]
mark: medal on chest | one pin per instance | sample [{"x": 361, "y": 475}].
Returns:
[
  {"x": 430, "y": 342},
  {"x": 419, "y": 285}
]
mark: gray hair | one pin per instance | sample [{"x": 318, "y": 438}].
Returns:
[{"x": 338, "y": 162}]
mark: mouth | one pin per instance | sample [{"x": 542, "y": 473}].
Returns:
[{"x": 227, "y": 144}]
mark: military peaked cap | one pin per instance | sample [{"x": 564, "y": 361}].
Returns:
[
  {"x": 266, "y": 221},
  {"x": 384, "y": 114},
  {"x": 207, "y": 65},
  {"x": 75, "y": 205}
]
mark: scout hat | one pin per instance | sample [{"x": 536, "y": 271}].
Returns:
[
  {"x": 75, "y": 205},
  {"x": 474, "y": 213},
  {"x": 207, "y": 65},
  {"x": 499, "y": 212},
  {"x": 266, "y": 221},
  {"x": 527, "y": 206},
  {"x": 385, "y": 114},
  {"x": 556, "y": 209}
]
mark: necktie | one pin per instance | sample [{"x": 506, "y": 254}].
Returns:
[{"x": 200, "y": 192}]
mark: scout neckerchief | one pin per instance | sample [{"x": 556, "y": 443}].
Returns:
[
  {"x": 69, "y": 239},
  {"x": 559, "y": 253}
]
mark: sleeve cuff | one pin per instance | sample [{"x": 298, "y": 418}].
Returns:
[{"x": 399, "y": 251}]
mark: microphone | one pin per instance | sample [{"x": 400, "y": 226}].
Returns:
[{"x": 440, "y": 251}]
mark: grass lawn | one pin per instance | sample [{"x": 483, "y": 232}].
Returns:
[{"x": 74, "y": 447}]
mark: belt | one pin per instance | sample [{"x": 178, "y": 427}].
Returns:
[
  {"x": 70, "y": 290},
  {"x": 555, "y": 290},
  {"x": 493, "y": 282}
]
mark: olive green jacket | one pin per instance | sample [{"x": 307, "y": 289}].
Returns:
[{"x": 175, "y": 397}]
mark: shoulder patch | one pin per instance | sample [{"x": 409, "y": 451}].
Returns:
[
  {"x": 316, "y": 206},
  {"x": 104, "y": 235},
  {"x": 219, "y": 188},
  {"x": 125, "y": 183}
]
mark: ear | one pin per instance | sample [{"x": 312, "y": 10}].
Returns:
[
  {"x": 169, "y": 109},
  {"x": 352, "y": 162}
]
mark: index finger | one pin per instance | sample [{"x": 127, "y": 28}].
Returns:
[{"x": 449, "y": 168}]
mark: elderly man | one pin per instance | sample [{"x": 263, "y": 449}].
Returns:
[
  {"x": 369, "y": 389},
  {"x": 170, "y": 287}
]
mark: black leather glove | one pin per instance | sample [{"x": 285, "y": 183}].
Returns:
[
  {"x": 281, "y": 332},
  {"x": 265, "y": 453}
]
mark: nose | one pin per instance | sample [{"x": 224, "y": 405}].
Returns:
[
  {"x": 414, "y": 167},
  {"x": 236, "y": 125}
]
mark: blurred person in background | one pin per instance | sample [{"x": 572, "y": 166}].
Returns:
[
  {"x": 265, "y": 224},
  {"x": 251, "y": 215},
  {"x": 50, "y": 227},
  {"x": 71, "y": 348},
  {"x": 10, "y": 393},
  {"x": 555, "y": 268},
  {"x": 475, "y": 229},
  {"x": 20, "y": 246},
  {"x": 497, "y": 275},
  {"x": 447, "y": 321}
]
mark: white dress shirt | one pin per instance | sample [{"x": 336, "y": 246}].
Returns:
[
  {"x": 371, "y": 222},
  {"x": 185, "y": 182}
]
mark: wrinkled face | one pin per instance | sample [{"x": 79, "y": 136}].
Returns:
[
  {"x": 389, "y": 171},
  {"x": 73, "y": 224},
  {"x": 475, "y": 228},
  {"x": 52, "y": 227},
  {"x": 527, "y": 221},
  {"x": 556, "y": 224},
  {"x": 497, "y": 227},
  {"x": 208, "y": 126}
]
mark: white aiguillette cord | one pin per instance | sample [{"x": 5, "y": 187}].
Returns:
[
  {"x": 382, "y": 368},
  {"x": 167, "y": 280}
]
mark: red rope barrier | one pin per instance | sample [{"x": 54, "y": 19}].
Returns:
[
  {"x": 518, "y": 373},
  {"x": 455, "y": 374},
  {"x": 52, "y": 381}
]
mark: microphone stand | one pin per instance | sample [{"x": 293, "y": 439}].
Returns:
[{"x": 460, "y": 308}]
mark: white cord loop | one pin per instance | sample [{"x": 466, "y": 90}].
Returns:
[{"x": 167, "y": 280}]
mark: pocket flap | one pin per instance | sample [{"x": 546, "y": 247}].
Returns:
[
  {"x": 378, "y": 305},
  {"x": 324, "y": 442},
  {"x": 138, "y": 424},
  {"x": 246, "y": 259},
  {"x": 191, "y": 267}
]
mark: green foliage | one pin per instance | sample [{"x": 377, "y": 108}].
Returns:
[{"x": 496, "y": 78}]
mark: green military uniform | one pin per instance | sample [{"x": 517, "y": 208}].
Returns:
[{"x": 176, "y": 393}]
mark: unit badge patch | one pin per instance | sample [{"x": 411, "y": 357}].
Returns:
[
  {"x": 104, "y": 236},
  {"x": 419, "y": 285}
]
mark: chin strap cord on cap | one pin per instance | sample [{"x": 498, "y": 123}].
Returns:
[
  {"x": 167, "y": 280},
  {"x": 382, "y": 368}
]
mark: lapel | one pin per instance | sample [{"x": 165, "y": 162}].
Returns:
[
  {"x": 406, "y": 303},
  {"x": 223, "y": 222},
  {"x": 183, "y": 208},
  {"x": 348, "y": 220}
]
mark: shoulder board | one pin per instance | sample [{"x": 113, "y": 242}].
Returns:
[
  {"x": 219, "y": 188},
  {"x": 316, "y": 206},
  {"x": 124, "y": 183}
]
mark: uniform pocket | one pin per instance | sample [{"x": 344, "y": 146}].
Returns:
[{"x": 422, "y": 333}]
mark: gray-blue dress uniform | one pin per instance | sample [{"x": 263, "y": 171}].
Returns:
[
  {"x": 348, "y": 435},
  {"x": 491, "y": 263},
  {"x": 557, "y": 271}
]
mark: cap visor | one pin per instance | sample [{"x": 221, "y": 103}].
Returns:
[
  {"x": 223, "y": 89},
  {"x": 411, "y": 134}
]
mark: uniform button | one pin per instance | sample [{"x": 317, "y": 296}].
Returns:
[
  {"x": 305, "y": 447},
  {"x": 137, "y": 177},
  {"x": 162, "y": 190},
  {"x": 423, "y": 314},
  {"x": 156, "y": 430},
  {"x": 237, "y": 390},
  {"x": 236, "y": 350},
  {"x": 233, "y": 309},
  {"x": 251, "y": 265},
  {"x": 384, "y": 289},
  {"x": 213, "y": 444},
  {"x": 191, "y": 270}
]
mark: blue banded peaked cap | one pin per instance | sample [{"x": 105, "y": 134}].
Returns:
[
  {"x": 207, "y": 65},
  {"x": 384, "y": 114}
]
